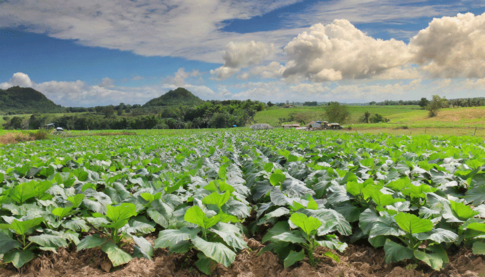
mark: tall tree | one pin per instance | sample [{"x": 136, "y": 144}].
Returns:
[{"x": 337, "y": 113}]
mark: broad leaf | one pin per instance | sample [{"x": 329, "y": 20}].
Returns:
[
  {"x": 91, "y": 242},
  {"x": 18, "y": 257},
  {"x": 171, "y": 237},
  {"x": 307, "y": 224},
  {"x": 215, "y": 250},
  {"x": 115, "y": 254},
  {"x": 294, "y": 257},
  {"x": 413, "y": 224},
  {"x": 395, "y": 252}
]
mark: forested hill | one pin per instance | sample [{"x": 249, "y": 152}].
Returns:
[
  {"x": 26, "y": 100},
  {"x": 180, "y": 96}
]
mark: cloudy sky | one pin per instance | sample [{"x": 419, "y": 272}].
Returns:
[{"x": 87, "y": 53}]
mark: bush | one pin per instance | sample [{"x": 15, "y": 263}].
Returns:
[
  {"x": 337, "y": 113},
  {"x": 40, "y": 134}
]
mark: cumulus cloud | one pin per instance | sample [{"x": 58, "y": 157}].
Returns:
[
  {"x": 179, "y": 78},
  {"x": 340, "y": 51},
  {"x": 242, "y": 54},
  {"x": 106, "y": 83},
  {"x": 452, "y": 47},
  {"x": 224, "y": 72},
  {"x": 18, "y": 79},
  {"x": 475, "y": 84},
  {"x": 373, "y": 92}
]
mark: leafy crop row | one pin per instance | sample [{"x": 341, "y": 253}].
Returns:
[{"x": 414, "y": 197}]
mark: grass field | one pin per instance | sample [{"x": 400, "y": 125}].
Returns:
[{"x": 411, "y": 116}]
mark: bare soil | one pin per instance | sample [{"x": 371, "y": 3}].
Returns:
[{"x": 355, "y": 262}]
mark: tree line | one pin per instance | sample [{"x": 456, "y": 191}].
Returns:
[{"x": 210, "y": 114}]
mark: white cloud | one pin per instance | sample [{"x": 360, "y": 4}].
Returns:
[
  {"x": 242, "y": 54},
  {"x": 189, "y": 29},
  {"x": 106, "y": 83},
  {"x": 179, "y": 78},
  {"x": 18, "y": 79},
  {"x": 475, "y": 84},
  {"x": 373, "y": 92},
  {"x": 369, "y": 11},
  {"x": 452, "y": 47},
  {"x": 137, "y": 78},
  {"x": 270, "y": 71},
  {"x": 340, "y": 51},
  {"x": 224, "y": 72}
]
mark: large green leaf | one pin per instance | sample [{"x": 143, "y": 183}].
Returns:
[
  {"x": 21, "y": 227},
  {"x": 119, "y": 215},
  {"x": 462, "y": 211},
  {"x": 277, "y": 178},
  {"x": 171, "y": 237},
  {"x": 7, "y": 243},
  {"x": 294, "y": 257},
  {"x": 49, "y": 241},
  {"x": 216, "y": 199},
  {"x": 76, "y": 200},
  {"x": 309, "y": 225},
  {"x": 438, "y": 235},
  {"x": 436, "y": 258},
  {"x": 230, "y": 234},
  {"x": 215, "y": 250},
  {"x": 479, "y": 248},
  {"x": 18, "y": 257},
  {"x": 196, "y": 216},
  {"x": 115, "y": 254},
  {"x": 143, "y": 248},
  {"x": 413, "y": 224},
  {"x": 91, "y": 242},
  {"x": 395, "y": 252},
  {"x": 205, "y": 264},
  {"x": 23, "y": 192}
]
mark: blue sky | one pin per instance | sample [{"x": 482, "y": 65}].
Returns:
[{"x": 86, "y": 53}]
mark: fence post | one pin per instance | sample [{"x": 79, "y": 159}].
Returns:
[{"x": 475, "y": 131}]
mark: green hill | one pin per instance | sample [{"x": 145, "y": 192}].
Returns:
[
  {"x": 180, "y": 96},
  {"x": 26, "y": 100}
]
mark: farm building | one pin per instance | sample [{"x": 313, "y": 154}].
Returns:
[
  {"x": 291, "y": 126},
  {"x": 317, "y": 125}
]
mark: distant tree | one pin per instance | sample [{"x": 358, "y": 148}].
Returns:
[
  {"x": 423, "y": 103},
  {"x": 372, "y": 103},
  {"x": 312, "y": 103},
  {"x": 376, "y": 118},
  {"x": 337, "y": 113},
  {"x": 269, "y": 104},
  {"x": 16, "y": 122},
  {"x": 365, "y": 117},
  {"x": 435, "y": 105},
  {"x": 108, "y": 111}
]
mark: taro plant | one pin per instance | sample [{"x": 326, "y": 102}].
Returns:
[
  {"x": 113, "y": 231},
  {"x": 17, "y": 242},
  {"x": 285, "y": 242},
  {"x": 416, "y": 238},
  {"x": 214, "y": 238}
]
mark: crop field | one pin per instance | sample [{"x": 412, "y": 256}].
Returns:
[{"x": 243, "y": 203}]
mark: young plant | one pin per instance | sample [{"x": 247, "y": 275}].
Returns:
[
  {"x": 112, "y": 225},
  {"x": 285, "y": 241},
  {"x": 215, "y": 239},
  {"x": 419, "y": 240},
  {"x": 17, "y": 242}
]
